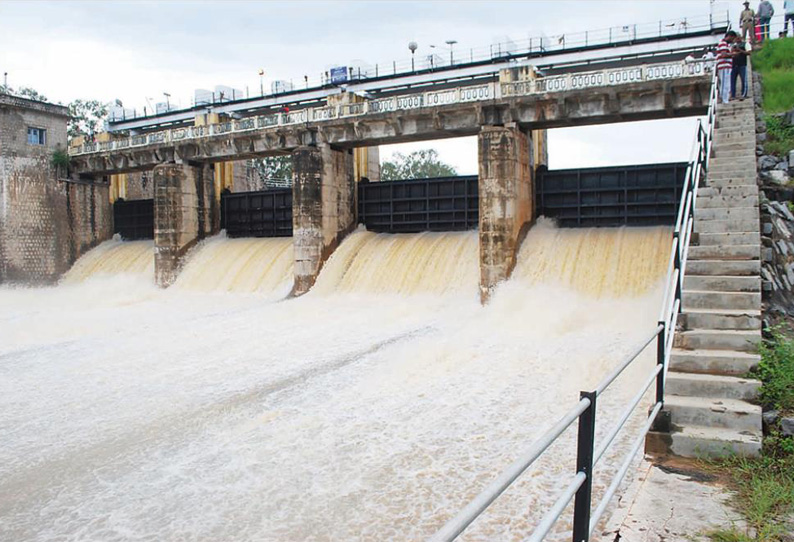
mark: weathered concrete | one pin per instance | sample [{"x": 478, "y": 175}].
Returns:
[
  {"x": 629, "y": 102},
  {"x": 667, "y": 503},
  {"x": 323, "y": 208},
  {"x": 45, "y": 222},
  {"x": 185, "y": 212},
  {"x": 506, "y": 200}
]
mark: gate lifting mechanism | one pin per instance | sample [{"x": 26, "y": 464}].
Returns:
[{"x": 588, "y": 455}]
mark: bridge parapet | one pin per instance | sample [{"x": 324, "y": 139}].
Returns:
[{"x": 315, "y": 117}]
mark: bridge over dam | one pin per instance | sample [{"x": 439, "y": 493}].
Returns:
[{"x": 508, "y": 116}]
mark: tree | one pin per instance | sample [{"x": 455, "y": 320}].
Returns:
[
  {"x": 87, "y": 117},
  {"x": 273, "y": 171},
  {"x": 24, "y": 92},
  {"x": 416, "y": 165}
]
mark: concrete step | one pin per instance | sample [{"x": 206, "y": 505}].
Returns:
[
  {"x": 726, "y": 226},
  {"x": 704, "y": 442},
  {"x": 735, "y": 123},
  {"x": 733, "y": 202},
  {"x": 700, "y": 299},
  {"x": 719, "y": 339},
  {"x": 728, "y": 191},
  {"x": 728, "y": 168},
  {"x": 722, "y": 239},
  {"x": 726, "y": 252},
  {"x": 713, "y": 412},
  {"x": 721, "y": 319},
  {"x": 722, "y": 283},
  {"x": 716, "y": 362},
  {"x": 733, "y": 181},
  {"x": 719, "y": 267},
  {"x": 734, "y": 136},
  {"x": 727, "y": 213},
  {"x": 714, "y": 386},
  {"x": 733, "y": 148}
]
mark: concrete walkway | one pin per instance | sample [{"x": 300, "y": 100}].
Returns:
[{"x": 669, "y": 502}]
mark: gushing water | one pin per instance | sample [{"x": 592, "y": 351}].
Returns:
[
  {"x": 239, "y": 265},
  {"x": 356, "y": 412},
  {"x": 115, "y": 257}
]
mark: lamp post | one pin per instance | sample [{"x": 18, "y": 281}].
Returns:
[
  {"x": 450, "y": 43},
  {"x": 167, "y": 101},
  {"x": 261, "y": 82},
  {"x": 412, "y": 46}
]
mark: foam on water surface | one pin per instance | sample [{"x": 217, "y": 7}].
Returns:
[{"x": 362, "y": 415}]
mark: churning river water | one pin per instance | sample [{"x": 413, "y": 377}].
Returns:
[{"x": 372, "y": 408}]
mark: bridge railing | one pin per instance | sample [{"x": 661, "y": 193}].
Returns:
[
  {"x": 588, "y": 454},
  {"x": 467, "y": 94}
]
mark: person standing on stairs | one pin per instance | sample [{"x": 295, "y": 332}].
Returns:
[
  {"x": 725, "y": 66},
  {"x": 739, "y": 70}
]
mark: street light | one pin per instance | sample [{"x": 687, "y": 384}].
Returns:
[
  {"x": 412, "y": 46},
  {"x": 261, "y": 82},
  {"x": 450, "y": 43},
  {"x": 167, "y": 101}
]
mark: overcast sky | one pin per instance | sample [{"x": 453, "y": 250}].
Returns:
[{"x": 137, "y": 50}]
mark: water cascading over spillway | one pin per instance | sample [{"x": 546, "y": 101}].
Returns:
[
  {"x": 599, "y": 262},
  {"x": 262, "y": 265},
  {"x": 112, "y": 258},
  {"x": 236, "y": 419},
  {"x": 403, "y": 264}
]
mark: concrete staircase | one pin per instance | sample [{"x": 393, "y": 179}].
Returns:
[{"x": 707, "y": 397}]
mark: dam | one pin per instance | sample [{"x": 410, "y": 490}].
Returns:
[{"x": 478, "y": 357}]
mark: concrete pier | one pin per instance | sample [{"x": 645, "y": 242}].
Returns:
[
  {"x": 323, "y": 208},
  {"x": 506, "y": 200},
  {"x": 185, "y": 212}
]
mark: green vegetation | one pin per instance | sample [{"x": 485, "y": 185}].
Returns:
[
  {"x": 60, "y": 159},
  {"x": 764, "y": 486},
  {"x": 422, "y": 164},
  {"x": 775, "y": 62},
  {"x": 780, "y": 136}
]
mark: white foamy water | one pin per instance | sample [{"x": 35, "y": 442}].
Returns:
[{"x": 354, "y": 413}]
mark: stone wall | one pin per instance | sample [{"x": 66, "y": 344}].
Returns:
[{"x": 46, "y": 223}]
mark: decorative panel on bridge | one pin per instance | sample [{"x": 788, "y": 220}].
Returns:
[
  {"x": 640, "y": 195},
  {"x": 440, "y": 204},
  {"x": 267, "y": 213},
  {"x": 134, "y": 219}
]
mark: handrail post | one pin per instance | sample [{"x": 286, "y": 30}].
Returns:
[
  {"x": 584, "y": 463},
  {"x": 661, "y": 342}
]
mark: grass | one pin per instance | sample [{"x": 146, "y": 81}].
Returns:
[
  {"x": 780, "y": 136},
  {"x": 764, "y": 486},
  {"x": 775, "y": 62}
]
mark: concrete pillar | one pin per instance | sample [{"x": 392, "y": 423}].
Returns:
[
  {"x": 323, "y": 208},
  {"x": 185, "y": 212},
  {"x": 366, "y": 163},
  {"x": 506, "y": 201}
]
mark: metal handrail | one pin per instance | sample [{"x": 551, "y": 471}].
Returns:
[{"x": 579, "y": 487}]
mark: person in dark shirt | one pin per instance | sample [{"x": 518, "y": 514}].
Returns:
[{"x": 739, "y": 55}]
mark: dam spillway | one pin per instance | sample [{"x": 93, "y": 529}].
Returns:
[{"x": 231, "y": 417}]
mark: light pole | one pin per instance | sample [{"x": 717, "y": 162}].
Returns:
[
  {"x": 450, "y": 43},
  {"x": 412, "y": 46},
  {"x": 261, "y": 82},
  {"x": 167, "y": 101}
]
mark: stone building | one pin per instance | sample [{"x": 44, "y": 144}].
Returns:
[{"x": 46, "y": 221}]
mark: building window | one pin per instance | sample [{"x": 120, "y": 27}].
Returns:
[{"x": 37, "y": 136}]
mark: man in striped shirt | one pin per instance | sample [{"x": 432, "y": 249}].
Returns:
[{"x": 724, "y": 66}]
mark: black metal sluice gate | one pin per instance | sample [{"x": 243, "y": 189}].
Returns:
[
  {"x": 416, "y": 205},
  {"x": 134, "y": 219},
  {"x": 266, "y": 213},
  {"x": 641, "y": 195}
]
